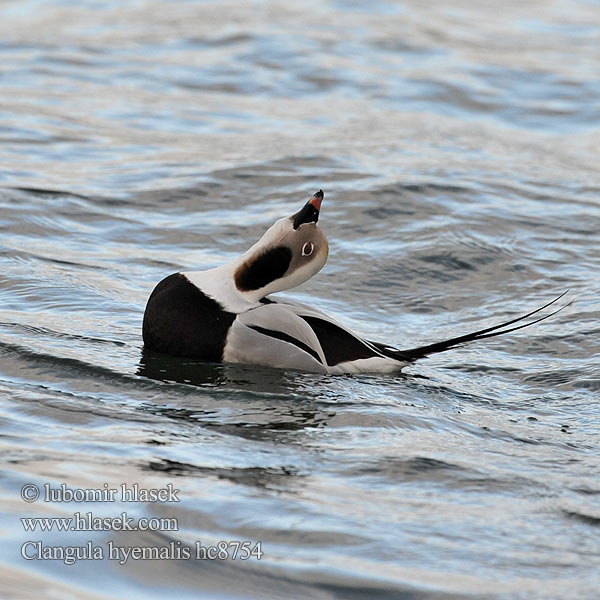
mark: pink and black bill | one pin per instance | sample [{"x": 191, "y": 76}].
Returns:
[{"x": 309, "y": 213}]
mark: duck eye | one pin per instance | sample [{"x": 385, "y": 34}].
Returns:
[{"x": 307, "y": 249}]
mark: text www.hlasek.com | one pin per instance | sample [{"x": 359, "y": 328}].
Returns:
[{"x": 89, "y": 522}]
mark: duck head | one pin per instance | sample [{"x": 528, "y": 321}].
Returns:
[{"x": 290, "y": 252}]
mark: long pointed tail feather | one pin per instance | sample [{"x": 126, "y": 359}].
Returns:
[{"x": 413, "y": 354}]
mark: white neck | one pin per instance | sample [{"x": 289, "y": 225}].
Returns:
[{"x": 218, "y": 283}]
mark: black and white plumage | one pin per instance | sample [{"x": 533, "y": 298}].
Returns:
[{"x": 225, "y": 314}]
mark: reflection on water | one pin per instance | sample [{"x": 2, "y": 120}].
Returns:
[
  {"x": 252, "y": 476},
  {"x": 457, "y": 146},
  {"x": 181, "y": 370},
  {"x": 250, "y": 386}
]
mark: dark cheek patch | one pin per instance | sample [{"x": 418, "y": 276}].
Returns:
[{"x": 268, "y": 266}]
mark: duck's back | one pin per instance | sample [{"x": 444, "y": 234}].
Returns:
[{"x": 181, "y": 320}]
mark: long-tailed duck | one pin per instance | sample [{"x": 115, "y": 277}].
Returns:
[{"x": 225, "y": 314}]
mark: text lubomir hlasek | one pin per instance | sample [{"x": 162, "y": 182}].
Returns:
[{"x": 124, "y": 493}]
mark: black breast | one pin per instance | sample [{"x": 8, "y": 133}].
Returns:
[{"x": 183, "y": 321}]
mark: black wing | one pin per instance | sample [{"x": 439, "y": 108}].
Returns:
[{"x": 338, "y": 344}]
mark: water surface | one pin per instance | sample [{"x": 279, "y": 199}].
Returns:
[{"x": 457, "y": 145}]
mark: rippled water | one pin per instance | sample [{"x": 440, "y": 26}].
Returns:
[{"x": 457, "y": 144}]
